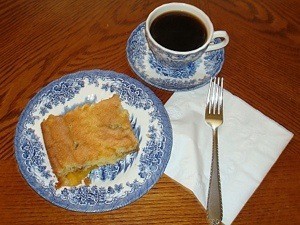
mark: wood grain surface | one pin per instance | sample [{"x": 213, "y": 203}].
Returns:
[{"x": 41, "y": 41}]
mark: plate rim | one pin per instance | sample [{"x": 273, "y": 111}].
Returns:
[{"x": 131, "y": 197}]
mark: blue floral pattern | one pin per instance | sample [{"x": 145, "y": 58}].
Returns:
[
  {"x": 181, "y": 72},
  {"x": 60, "y": 93},
  {"x": 182, "y": 78},
  {"x": 33, "y": 158},
  {"x": 112, "y": 186}
]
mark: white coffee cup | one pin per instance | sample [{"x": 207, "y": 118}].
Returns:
[{"x": 175, "y": 59}]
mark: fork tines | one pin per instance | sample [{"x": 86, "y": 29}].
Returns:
[{"x": 214, "y": 101}]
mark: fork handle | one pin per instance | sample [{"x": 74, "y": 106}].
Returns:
[{"x": 214, "y": 200}]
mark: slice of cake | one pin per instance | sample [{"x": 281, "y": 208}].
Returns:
[{"x": 87, "y": 137}]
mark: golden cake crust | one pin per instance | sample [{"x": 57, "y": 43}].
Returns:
[{"x": 90, "y": 135}]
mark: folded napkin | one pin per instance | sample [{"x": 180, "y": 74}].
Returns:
[{"x": 249, "y": 144}]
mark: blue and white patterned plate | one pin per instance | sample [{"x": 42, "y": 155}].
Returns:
[
  {"x": 144, "y": 64},
  {"x": 112, "y": 186}
]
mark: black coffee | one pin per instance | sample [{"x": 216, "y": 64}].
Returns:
[{"x": 178, "y": 31}]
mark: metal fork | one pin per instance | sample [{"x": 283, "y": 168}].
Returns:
[{"x": 214, "y": 118}]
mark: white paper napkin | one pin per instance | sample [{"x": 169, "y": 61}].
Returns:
[{"x": 249, "y": 144}]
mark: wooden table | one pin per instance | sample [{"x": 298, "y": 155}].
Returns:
[{"x": 41, "y": 41}]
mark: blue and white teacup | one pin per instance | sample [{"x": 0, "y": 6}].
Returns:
[{"x": 179, "y": 59}]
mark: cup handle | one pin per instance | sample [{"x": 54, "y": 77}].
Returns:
[{"x": 218, "y": 34}]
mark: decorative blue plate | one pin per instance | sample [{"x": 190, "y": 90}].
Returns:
[
  {"x": 112, "y": 186},
  {"x": 144, "y": 64}
]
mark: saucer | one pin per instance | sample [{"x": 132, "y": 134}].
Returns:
[{"x": 194, "y": 75}]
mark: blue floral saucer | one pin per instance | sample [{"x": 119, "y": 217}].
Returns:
[
  {"x": 144, "y": 64},
  {"x": 112, "y": 186}
]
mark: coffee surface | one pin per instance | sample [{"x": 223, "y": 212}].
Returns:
[{"x": 178, "y": 31}]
